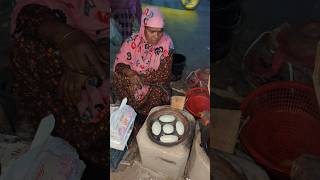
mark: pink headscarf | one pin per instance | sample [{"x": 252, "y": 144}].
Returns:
[
  {"x": 90, "y": 16},
  {"x": 139, "y": 54}
]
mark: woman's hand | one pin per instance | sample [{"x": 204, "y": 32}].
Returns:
[
  {"x": 77, "y": 49},
  {"x": 71, "y": 85},
  {"x": 134, "y": 78},
  {"x": 82, "y": 60},
  {"x": 81, "y": 57},
  {"x": 80, "y": 54}
]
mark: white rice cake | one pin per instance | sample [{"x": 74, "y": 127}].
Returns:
[
  {"x": 168, "y": 128},
  {"x": 156, "y": 128},
  {"x": 167, "y": 118},
  {"x": 169, "y": 138},
  {"x": 180, "y": 128}
]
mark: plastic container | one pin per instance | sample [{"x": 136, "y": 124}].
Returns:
[{"x": 121, "y": 125}]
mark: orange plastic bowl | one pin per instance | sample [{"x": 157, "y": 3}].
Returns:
[{"x": 198, "y": 100}]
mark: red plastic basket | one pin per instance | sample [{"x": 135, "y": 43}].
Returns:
[
  {"x": 198, "y": 100},
  {"x": 283, "y": 123}
]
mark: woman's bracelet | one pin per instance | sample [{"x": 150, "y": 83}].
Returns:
[
  {"x": 66, "y": 36},
  {"x": 77, "y": 72}
]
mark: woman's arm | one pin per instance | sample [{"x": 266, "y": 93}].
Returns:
[
  {"x": 162, "y": 75},
  {"x": 123, "y": 69},
  {"x": 124, "y": 84},
  {"x": 32, "y": 16},
  {"x": 38, "y": 21},
  {"x": 126, "y": 71},
  {"x": 79, "y": 53}
]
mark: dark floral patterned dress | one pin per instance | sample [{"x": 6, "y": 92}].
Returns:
[
  {"x": 158, "y": 94},
  {"x": 37, "y": 68}
]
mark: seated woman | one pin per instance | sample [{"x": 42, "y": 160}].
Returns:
[
  {"x": 142, "y": 69},
  {"x": 59, "y": 64}
]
